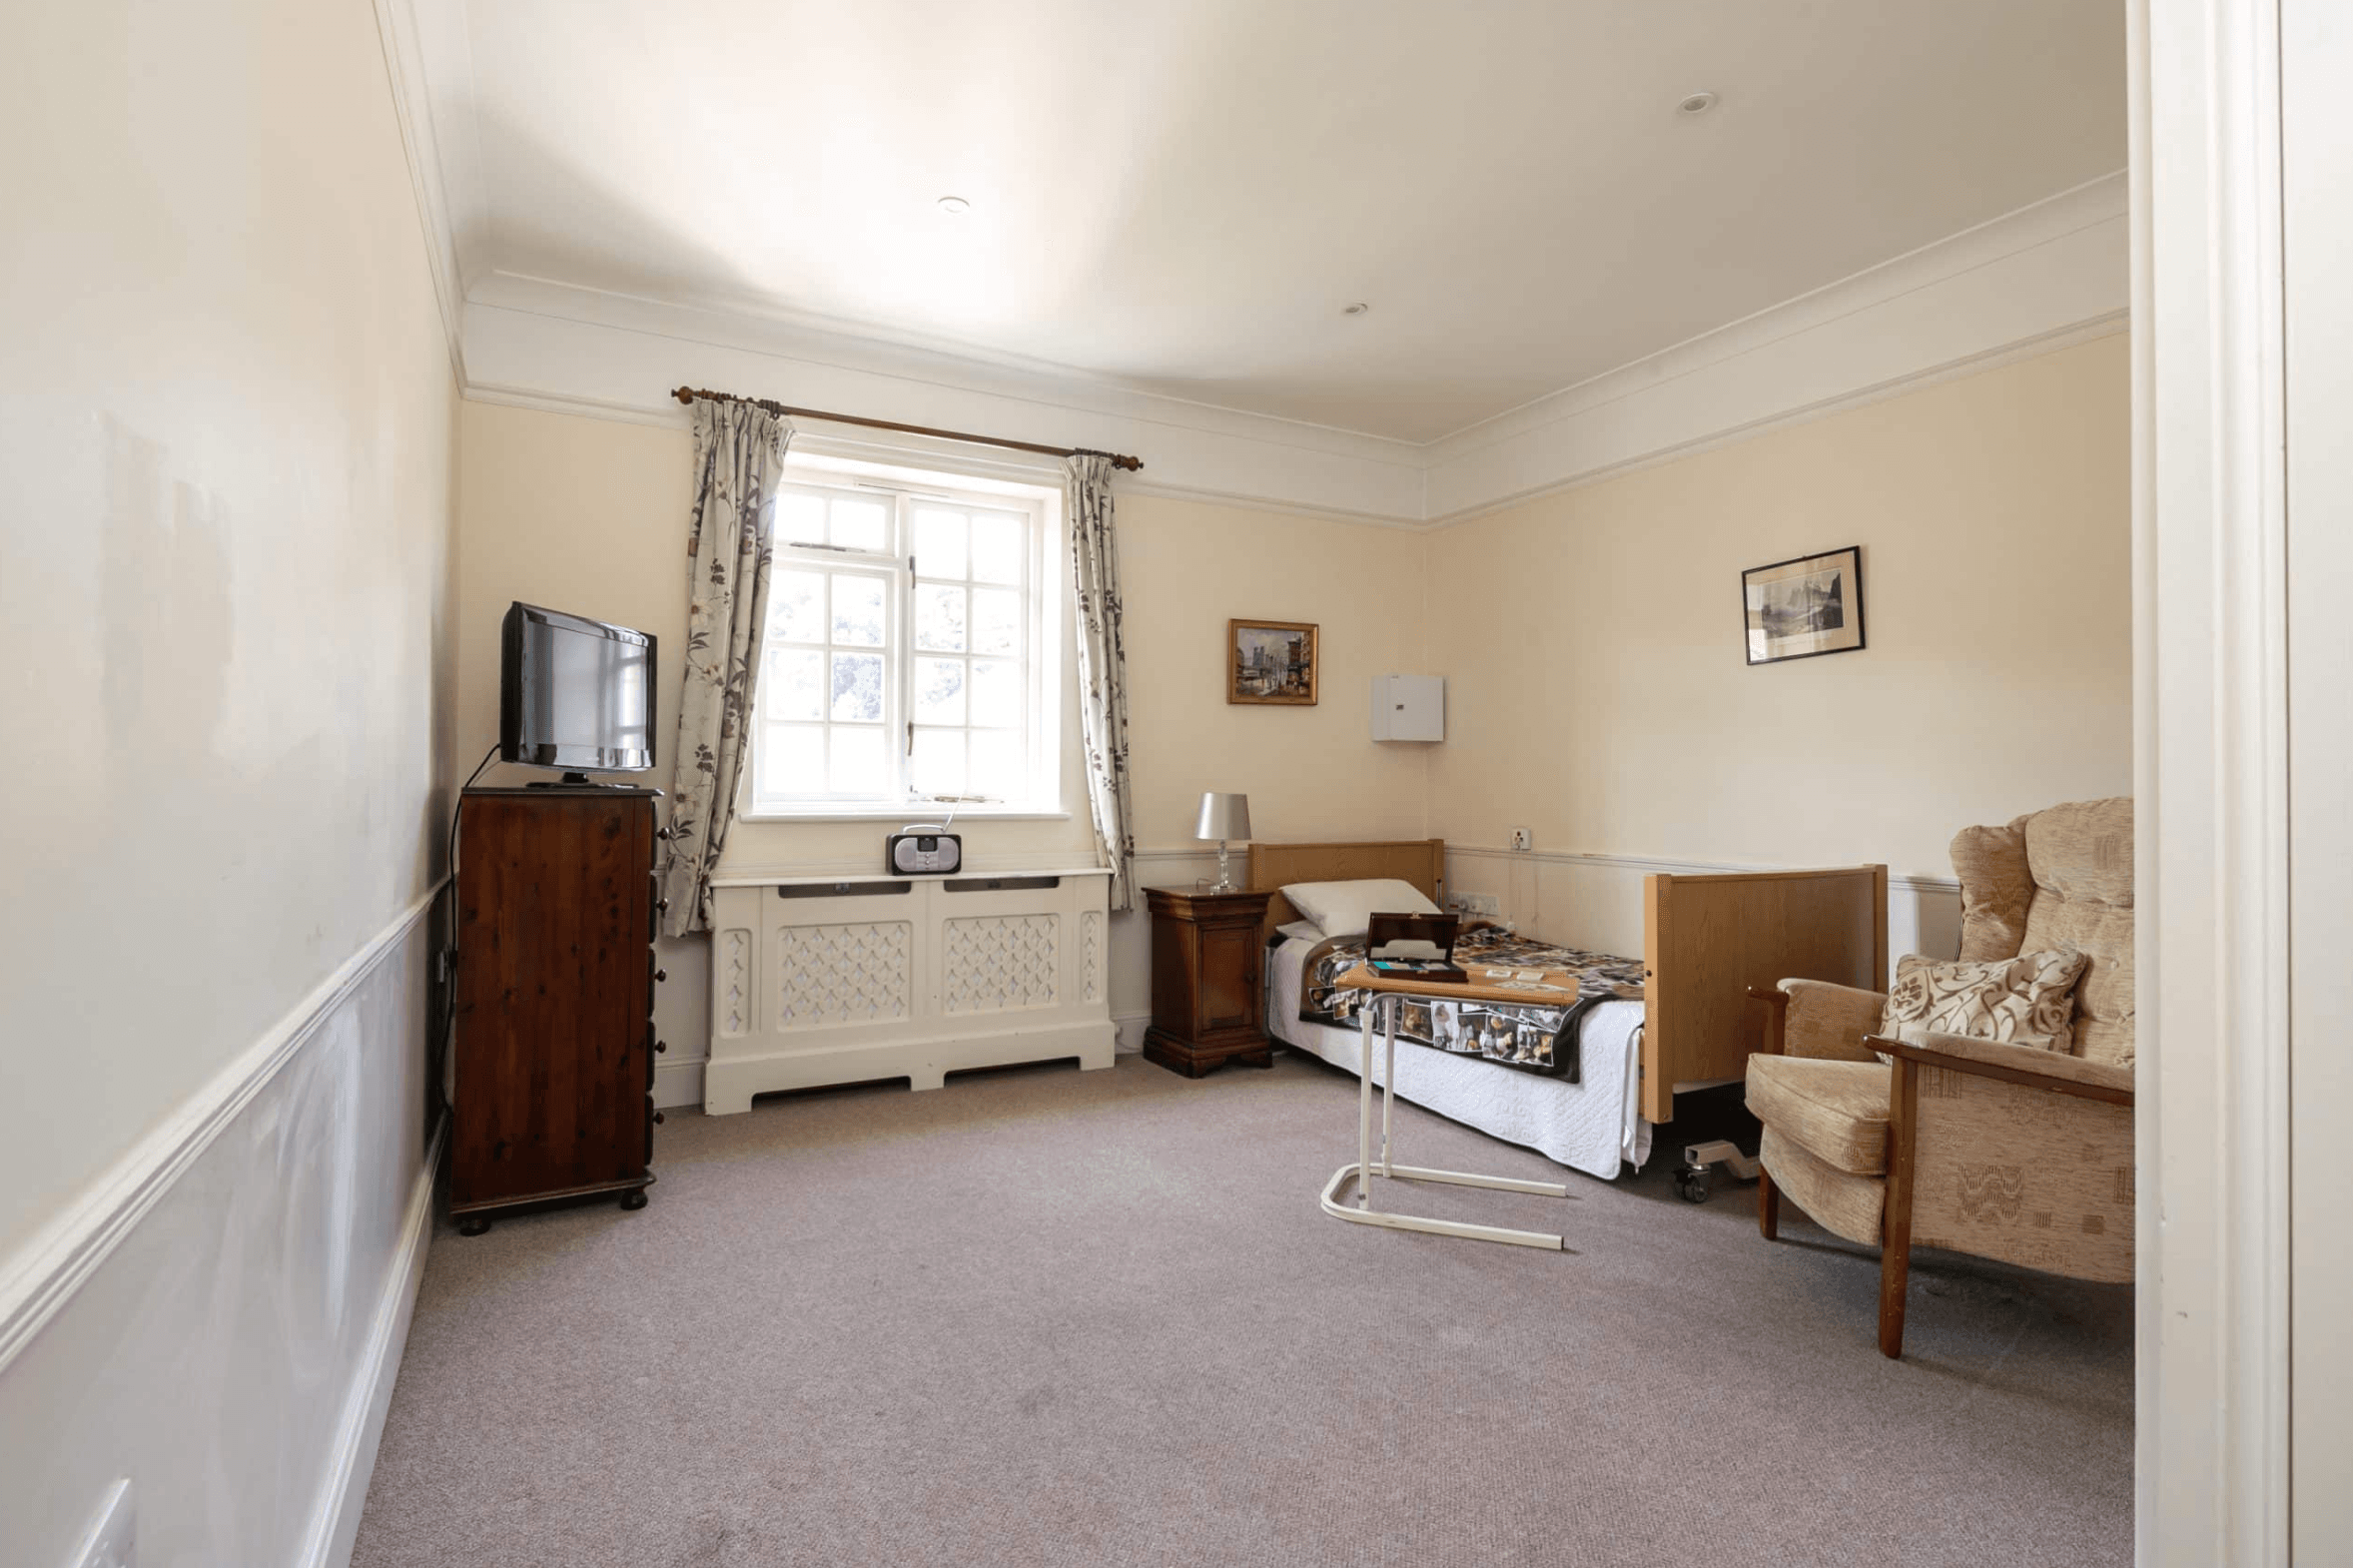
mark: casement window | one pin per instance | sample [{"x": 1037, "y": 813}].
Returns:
[{"x": 910, "y": 655}]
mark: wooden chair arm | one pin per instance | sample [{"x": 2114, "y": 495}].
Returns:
[
  {"x": 2016, "y": 1065},
  {"x": 1777, "y": 1017}
]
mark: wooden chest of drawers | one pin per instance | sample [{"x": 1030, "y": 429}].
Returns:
[{"x": 554, "y": 1066}]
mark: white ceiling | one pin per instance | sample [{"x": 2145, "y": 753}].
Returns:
[{"x": 1179, "y": 194}]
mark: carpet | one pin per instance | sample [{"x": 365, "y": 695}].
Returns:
[{"x": 1046, "y": 1316}]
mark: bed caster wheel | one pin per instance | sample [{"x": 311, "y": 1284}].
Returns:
[
  {"x": 1692, "y": 1186},
  {"x": 634, "y": 1198},
  {"x": 472, "y": 1226}
]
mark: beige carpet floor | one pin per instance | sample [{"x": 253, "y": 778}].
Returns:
[{"x": 1056, "y": 1317}]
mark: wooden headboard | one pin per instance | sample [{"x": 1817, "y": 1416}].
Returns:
[{"x": 1421, "y": 862}]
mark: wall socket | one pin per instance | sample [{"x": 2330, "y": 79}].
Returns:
[
  {"x": 1521, "y": 840},
  {"x": 111, "y": 1541}
]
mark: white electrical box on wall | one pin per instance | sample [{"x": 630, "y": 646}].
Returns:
[{"x": 1408, "y": 707}]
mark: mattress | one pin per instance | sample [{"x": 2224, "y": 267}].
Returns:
[{"x": 1590, "y": 1125}]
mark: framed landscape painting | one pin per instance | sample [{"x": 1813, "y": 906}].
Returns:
[
  {"x": 1795, "y": 609},
  {"x": 1270, "y": 662}
]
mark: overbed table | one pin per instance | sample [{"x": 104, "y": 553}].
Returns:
[{"x": 1485, "y": 984}]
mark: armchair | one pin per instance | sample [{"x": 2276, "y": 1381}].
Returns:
[{"x": 2002, "y": 1150}]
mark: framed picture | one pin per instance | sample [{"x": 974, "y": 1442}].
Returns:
[
  {"x": 1795, "y": 609},
  {"x": 1270, "y": 662}
]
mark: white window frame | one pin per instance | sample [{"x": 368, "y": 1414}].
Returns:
[{"x": 1045, "y": 618}]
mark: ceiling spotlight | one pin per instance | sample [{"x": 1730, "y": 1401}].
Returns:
[
  {"x": 953, "y": 203},
  {"x": 1697, "y": 103},
  {"x": 1358, "y": 309}
]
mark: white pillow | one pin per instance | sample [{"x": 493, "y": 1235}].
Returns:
[
  {"x": 1304, "y": 930},
  {"x": 1345, "y": 909}
]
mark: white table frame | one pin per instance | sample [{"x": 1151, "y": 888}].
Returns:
[{"x": 1363, "y": 1168}]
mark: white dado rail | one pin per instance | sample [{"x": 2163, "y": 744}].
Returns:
[{"x": 845, "y": 980}]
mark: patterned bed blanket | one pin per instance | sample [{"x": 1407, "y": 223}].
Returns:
[{"x": 1532, "y": 1037}]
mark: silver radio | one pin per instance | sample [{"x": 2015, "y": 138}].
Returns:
[{"x": 923, "y": 848}]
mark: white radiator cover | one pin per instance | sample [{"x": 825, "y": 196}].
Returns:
[{"x": 832, "y": 980}]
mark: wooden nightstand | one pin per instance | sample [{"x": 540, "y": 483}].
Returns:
[{"x": 1207, "y": 954}]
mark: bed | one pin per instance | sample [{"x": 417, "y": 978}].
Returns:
[{"x": 1706, "y": 940}]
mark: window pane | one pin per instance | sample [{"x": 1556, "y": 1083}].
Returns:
[
  {"x": 857, "y": 762},
  {"x": 936, "y": 764},
  {"x": 796, "y": 607},
  {"x": 858, "y": 687},
  {"x": 996, "y": 621},
  {"x": 939, "y": 617},
  {"x": 794, "y": 687},
  {"x": 858, "y": 610},
  {"x": 792, "y": 759},
  {"x": 800, "y": 519},
  {"x": 939, "y": 543},
  {"x": 939, "y": 691},
  {"x": 996, "y": 763},
  {"x": 998, "y": 542},
  {"x": 861, "y": 525},
  {"x": 996, "y": 692}
]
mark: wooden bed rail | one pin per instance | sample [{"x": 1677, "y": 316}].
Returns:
[{"x": 1706, "y": 940}]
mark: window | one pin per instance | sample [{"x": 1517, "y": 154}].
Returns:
[{"x": 910, "y": 656}]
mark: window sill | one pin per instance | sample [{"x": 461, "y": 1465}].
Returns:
[{"x": 914, "y": 811}]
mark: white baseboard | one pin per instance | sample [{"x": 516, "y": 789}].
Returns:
[
  {"x": 677, "y": 1083},
  {"x": 335, "y": 1526}
]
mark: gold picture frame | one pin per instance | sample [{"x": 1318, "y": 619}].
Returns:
[{"x": 1272, "y": 662}]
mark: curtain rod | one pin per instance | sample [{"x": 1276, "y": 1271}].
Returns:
[{"x": 687, "y": 395}]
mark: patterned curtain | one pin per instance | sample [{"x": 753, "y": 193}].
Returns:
[
  {"x": 1103, "y": 666},
  {"x": 738, "y": 450}
]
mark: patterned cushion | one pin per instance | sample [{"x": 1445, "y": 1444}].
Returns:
[
  {"x": 2025, "y": 1001},
  {"x": 1837, "y": 1111}
]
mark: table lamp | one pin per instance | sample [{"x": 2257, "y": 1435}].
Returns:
[{"x": 1224, "y": 817}]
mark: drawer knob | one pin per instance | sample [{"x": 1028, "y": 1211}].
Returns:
[
  {"x": 662, "y": 904},
  {"x": 661, "y": 974},
  {"x": 657, "y": 1118},
  {"x": 660, "y": 1046}
]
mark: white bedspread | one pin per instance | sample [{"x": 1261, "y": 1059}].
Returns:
[{"x": 1590, "y": 1125}]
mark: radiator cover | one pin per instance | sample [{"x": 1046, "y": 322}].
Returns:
[{"x": 849, "y": 980}]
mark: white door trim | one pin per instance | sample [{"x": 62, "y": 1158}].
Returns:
[{"x": 2211, "y": 688}]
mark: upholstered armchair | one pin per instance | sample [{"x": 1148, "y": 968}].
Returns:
[{"x": 2002, "y": 1150}]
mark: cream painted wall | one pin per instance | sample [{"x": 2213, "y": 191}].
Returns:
[
  {"x": 1187, "y": 567},
  {"x": 589, "y": 515},
  {"x": 226, "y": 418},
  {"x": 1592, "y": 639},
  {"x": 227, "y": 439},
  {"x": 1992, "y": 512}
]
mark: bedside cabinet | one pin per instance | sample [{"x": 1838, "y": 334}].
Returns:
[{"x": 1207, "y": 959}]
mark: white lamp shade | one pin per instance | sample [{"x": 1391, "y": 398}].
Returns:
[{"x": 1224, "y": 817}]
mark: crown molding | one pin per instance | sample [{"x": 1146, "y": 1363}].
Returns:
[
  {"x": 407, "y": 76},
  {"x": 551, "y": 344},
  {"x": 2032, "y": 281}
]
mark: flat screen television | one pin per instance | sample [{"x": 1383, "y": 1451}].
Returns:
[{"x": 574, "y": 693}]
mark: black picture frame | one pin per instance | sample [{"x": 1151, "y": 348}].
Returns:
[{"x": 1789, "y": 611}]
